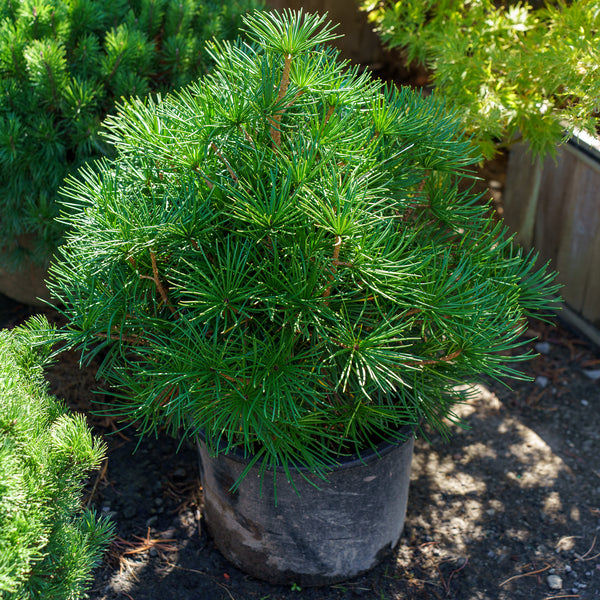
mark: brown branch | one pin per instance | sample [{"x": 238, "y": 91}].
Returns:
[
  {"x": 155, "y": 278},
  {"x": 51, "y": 78},
  {"x": 247, "y": 136},
  {"x": 144, "y": 544},
  {"x": 339, "y": 263},
  {"x": 588, "y": 552},
  {"x": 296, "y": 96},
  {"x": 115, "y": 67},
  {"x": 336, "y": 248},
  {"x": 336, "y": 254},
  {"x": 101, "y": 475},
  {"x": 225, "y": 162},
  {"x": 210, "y": 184},
  {"x": 445, "y": 583},
  {"x": 232, "y": 379},
  {"x": 437, "y": 361},
  {"x": 328, "y": 115},
  {"x": 283, "y": 87},
  {"x": 158, "y": 283},
  {"x": 167, "y": 395}
]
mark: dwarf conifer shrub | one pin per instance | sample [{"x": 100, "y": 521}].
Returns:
[
  {"x": 48, "y": 543},
  {"x": 63, "y": 65},
  {"x": 509, "y": 70},
  {"x": 281, "y": 257}
]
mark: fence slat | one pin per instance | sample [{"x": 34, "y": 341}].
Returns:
[{"x": 556, "y": 210}]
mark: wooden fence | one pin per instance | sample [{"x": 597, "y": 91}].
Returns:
[{"x": 554, "y": 207}]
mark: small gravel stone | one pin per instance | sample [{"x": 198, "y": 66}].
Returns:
[
  {"x": 541, "y": 381},
  {"x": 592, "y": 374},
  {"x": 542, "y": 347},
  {"x": 554, "y": 582},
  {"x": 151, "y": 521},
  {"x": 129, "y": 510}
]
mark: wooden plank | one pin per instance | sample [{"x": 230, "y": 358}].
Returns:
[
  {"x": 521, "y": 194},
  {"x": 575, "y": 321},
  {"x": 576, "y": 247},
  {"x": 590, "y": 192},
  {"x": 551, "y": 216},
  {"x": 566, "y": 222},
  {"x": 591, "y": 300}
]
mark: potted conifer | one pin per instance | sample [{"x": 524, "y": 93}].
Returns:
[
  {"x": 63, "y": 65},
  {"x": 280, "y": 263}
]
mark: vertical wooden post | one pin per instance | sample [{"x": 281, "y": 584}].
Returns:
[{"x": 554, "y": 207}]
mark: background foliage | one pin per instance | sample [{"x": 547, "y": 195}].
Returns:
[
  {"x": 509, "y": 70},
  {"x": 63, "y": 64},
  {"x": 48, "y": 543}
]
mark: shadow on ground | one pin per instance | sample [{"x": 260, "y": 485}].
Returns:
[{"x": 508, "y": 509}]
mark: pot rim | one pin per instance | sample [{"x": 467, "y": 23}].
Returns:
[{"x": 360, "y": 458}]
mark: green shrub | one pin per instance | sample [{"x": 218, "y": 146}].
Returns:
[
  {"x": 281, "y": 256},
  {"x": 63, "y": 64},
  {"x": 508, "y": 69},
  {"x": 48, "y": 543}
]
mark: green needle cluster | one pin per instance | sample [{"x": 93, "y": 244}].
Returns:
[
  {"x": 281, "y": 256},
  {"x": 63, "y": 65}
]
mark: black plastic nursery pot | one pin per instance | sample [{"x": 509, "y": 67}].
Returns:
[{"x": 303, "y": 534}]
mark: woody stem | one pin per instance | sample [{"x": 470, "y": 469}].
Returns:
[
  {"x": 283, "y": 86},
  {"x": 336, "y": 254},
  {"x": 158, "y": 283}
]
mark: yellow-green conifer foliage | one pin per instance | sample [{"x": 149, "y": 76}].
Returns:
[
  {"x": 508, "y": 69},
  {"x": 49, "y": 545}
]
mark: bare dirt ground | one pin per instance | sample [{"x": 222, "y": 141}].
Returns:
[{"x": 508, "y": 509}]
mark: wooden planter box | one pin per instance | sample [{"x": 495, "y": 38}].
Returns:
[{"x": 554, "y": 207}]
